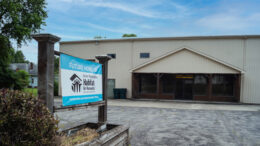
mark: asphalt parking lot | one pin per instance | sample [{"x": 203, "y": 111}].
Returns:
[{"x": 177, "y": 126}]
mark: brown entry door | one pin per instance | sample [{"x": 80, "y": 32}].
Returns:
[{"x": 184, "y": 89}]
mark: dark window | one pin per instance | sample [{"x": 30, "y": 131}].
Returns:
[
  {"x": 144, "y": 55},
  {"x": 112, "y": 55},
  {"x": 168, "y": 82},
  {"x": 200, "y": 85},
  {"x": 147, "y": 83},
  {"x": 223, "y": 85}
]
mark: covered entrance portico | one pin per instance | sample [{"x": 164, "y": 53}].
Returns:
[
  {"x": 205, "y": 87},
  {"x": 186, "y": 75}
]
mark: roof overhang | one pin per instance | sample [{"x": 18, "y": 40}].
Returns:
[{"x": 163, "y": 38}]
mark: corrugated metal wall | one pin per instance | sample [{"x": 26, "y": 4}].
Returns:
[
  {"x": 251, "y": 79},
  {"x": 185, "y": 61}
]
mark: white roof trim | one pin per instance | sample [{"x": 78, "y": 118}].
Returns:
[{"x": 194, "y": 51}]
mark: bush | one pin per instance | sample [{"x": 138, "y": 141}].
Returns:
[
  {"x": 7, "y": 78},
  {"x": 21, "y": 80},
  {"x": 24, "y": 120},
  {"x": 56, "y": 88}
]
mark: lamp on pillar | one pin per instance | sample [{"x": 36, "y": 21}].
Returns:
[
  {"x": 46, "y": 67},
  {"x": 102, "y": 110}
]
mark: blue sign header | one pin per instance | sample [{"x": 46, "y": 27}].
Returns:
[{"x": 77, "y": 64}]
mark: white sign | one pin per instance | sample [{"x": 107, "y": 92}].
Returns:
[{"x": 81, "y": 80}]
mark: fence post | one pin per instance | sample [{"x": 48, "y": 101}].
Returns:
[
  {"x": 102, "y": 110},
  {"x": 46, "y": 67}
]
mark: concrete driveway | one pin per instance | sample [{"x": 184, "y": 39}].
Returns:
[{"x": 177, "y": 123}]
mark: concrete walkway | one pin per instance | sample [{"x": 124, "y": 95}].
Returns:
[
  {"x": 183, "y": 105},
  {"x": 172, "y": 123}
]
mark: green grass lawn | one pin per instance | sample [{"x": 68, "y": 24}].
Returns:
[{"x": 34, "y": 91}]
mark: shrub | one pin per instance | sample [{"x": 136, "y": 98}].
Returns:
[
  {"x": 24, "y": 120},
  {"x": 56, "y": 88},
  {"x": 21, "y": 80}
]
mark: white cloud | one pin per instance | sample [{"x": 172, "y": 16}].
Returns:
[
  {"x": 72, "y": 37},
  {"x": 83, "y": 24},
  {"x": 139, "y": 9},
  {"x": 226, "y": 21},
  {"x": 116, "y": 30}
]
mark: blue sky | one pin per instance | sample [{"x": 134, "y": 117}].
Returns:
[{"x": 84, "y": 19}]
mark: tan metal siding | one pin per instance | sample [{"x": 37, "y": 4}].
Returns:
[
  {"x": 186, "y": 61},
  {"x": 251, "y": 93},
  {"x": 227, "y": 50}
]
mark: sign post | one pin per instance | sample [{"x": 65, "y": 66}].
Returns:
[
  {"x": 102, "y": 110},
  {"x": 46, "y": 67},
  {"x": 83, "y": 82}
]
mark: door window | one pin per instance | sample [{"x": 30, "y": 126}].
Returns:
[
  {"x": 223, "y": 85},
  {"x": 200, "y": 85}
]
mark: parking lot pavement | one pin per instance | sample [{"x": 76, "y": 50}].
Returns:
[{"x": 176, "y": 126}]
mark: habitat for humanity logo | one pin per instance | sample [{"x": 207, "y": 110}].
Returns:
[{"x": 76, "y": 83}]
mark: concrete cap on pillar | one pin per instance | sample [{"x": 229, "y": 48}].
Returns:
[
  {"x": 46, "y": 37},
  {"x": 103, "y": 57}
]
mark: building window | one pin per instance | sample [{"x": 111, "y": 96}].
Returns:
[
  {"x": 168, "y": 83},
  {"x": 223, "y": 85},
  {"x": 200, "y": 85},
  {"x": 113, "y": 56},
  {"x": 144, "y": 55},
  {"x": 147, "y": 83}
]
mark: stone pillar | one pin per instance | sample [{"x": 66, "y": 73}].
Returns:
[
  {"x": 46, "y": 67},
  {"x": 102, "y": 110}
]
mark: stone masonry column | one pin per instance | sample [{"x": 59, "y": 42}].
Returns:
[
  {"x": 46, "y": 67},
  {"x": 102, "y": 110}
]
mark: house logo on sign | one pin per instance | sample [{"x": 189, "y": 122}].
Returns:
[{"x": 76, "y": 83}]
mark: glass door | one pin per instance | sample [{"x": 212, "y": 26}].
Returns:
[
  {"x": 110, "y": 87},
  {"x": 183, "y": 88}
]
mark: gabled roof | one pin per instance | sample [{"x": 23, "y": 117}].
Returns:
[{"x": 191, "y": 50}]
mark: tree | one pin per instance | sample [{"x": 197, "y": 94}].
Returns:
[
  {"x": 21, "y": 80},
  {"x": 129, "y": 35},
  {"x": 18, "y": 57},
  {"x": 56, "y": 65},
  {"x": 18, "y": 20},
  {"x": 6, "y": 75}
]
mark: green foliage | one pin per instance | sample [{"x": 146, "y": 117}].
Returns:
[
  {"x": 20, "y": 18},
  {"x": 56, "y": 88},
  {"x": 33, "y": 91},
  {"x": 25, "y": 121},
  {"x": 21, "y": 80},
  {"x": 7, "y": 77},
  {"x": 56, "y": 65},
  {"x": 129, "y": 35},
  {"x": 18, "y": 57},
  {"x": 15, "y": 80},
  {"x": 6, "y": 52}
]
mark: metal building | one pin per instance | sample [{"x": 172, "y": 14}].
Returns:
[{"x": 208, "y": 68}]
